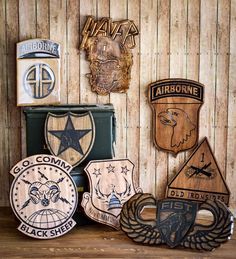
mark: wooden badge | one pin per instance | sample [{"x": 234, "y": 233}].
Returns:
[
  {"x": 108, "y": 45},
  {"x": 111, "y": 185},
  {"x": 38, "y": 72},
  {"x": 43, "y": 196},
  {"x": 70, "y": 136},
  {"x": 175, "y": 104},
  {"x": 175, "y": 224},
  {"x": 199, "y": 178}
]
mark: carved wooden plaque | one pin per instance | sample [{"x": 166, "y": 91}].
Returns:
[
  {"x": 175, "y": 223},
  {"x": 38, "y": 72},
  {"x": 175, "y": 104},
  {"x": 43, "y": 196},
  {"x": 107, "y": 45},
  {"x": 111, "y": 185},
  {"x": 199, "y": 178},
  {"x": 70, "y": 136}
]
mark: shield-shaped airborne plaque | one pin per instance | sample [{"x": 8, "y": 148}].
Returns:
[
  {"x": 176, "y": 104},
  {"x": 70, "y": 136},
  {"x": 111, "y": 185}
]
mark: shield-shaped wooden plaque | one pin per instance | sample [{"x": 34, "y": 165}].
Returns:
[
  {"x": 70, "y": 136},
  {"x": 43, "y": 196},
  {"x": 111, "y": 185},
  {"x": 175, "y": 104}
]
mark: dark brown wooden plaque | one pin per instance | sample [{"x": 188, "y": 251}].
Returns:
[
  {"x": 70, "y": 136},
  {"x": 175, "y": 104},
  {"x": 199, "y": 178},
  {"x": 108, "y": 45},
  {"x": 43, "y": 196},
  {"x": 175, "y": 223},
  {"x": 111, "y": 185}
]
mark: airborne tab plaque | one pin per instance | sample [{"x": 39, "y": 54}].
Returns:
[
  {"x": 111, "y": 185},
  {"x": 38, "y": 72},
  {"x": 199, "y": 178},
  {"x": 175, "y": 104},
  {"x": 43, "y": 196},
  {"x": 107, "y": 45}
]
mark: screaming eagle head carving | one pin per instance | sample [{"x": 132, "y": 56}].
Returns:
[{"x": 181, "y": 124}]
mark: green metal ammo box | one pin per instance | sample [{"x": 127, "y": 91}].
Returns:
[{"x": 105, "y": 126}]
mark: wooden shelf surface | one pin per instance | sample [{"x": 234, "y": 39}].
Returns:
[{"x": 91, "y": 241}]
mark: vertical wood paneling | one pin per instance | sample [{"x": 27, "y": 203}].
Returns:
[
  {"x": 118, "y": 11},
  {"x": 207, "y": 68},
  {"x": 58, "y": 33},
  {"x": 4, "y": 183},
  {"x": 163, "y": 69},
  {"x": 14, "y": 114},
  {"x": 222, "y": 77},
  {"x": 73, "y": 54},
  {"x": 231, "y": 137},
  {"x": 42, "y": 19},
  {"x": 133, "y": 97},
  {"x": 103, "y": 10},
  {"x": 148, "y": 67},
  {"x": 87, "y": 7},
  {"x": 178, "y": 49},
  {"x": 27, "y": 30},
  {"x": 178, "y": 38}
]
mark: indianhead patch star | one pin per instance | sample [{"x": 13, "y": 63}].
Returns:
[{"x": 70, "y": 137}]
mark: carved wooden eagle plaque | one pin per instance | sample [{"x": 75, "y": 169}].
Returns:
[
  {"x": 175, "y": 104},
  {"x": 200, "y": 178},
  {"x": 175, "y": 223},
  {"x": 43, "y": 196},
  {"x": 111, "y": 185},
  {"x": 70, "y": 136},
  {"x": 38, "y": 72},
  {"x": 107, "y": 45}
]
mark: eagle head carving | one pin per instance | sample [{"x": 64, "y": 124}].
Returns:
[{"x": 181, "y": 124}]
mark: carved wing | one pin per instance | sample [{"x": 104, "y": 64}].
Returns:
[
  {"x": 207, "y": 238},
  {"x": 138, "y": 229}
]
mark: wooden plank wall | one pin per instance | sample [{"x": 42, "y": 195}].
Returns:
[{"x": 178, "y": 38}]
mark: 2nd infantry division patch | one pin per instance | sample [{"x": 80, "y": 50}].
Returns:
[
  {"x": 175, "y": 104},
  {"x": 70, "y": 136}
]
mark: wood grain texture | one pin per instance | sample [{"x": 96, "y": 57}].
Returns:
[
  {"x": 148, "y": 69},
  {"x": 178, "y": 38},
  {"x": 43, "y": 196},
  {"x": 94, "y": 241},
  {"x": 111, "y": 184},
  {"x": 231, "y": 125},
  {"x": 199, "y": 178},
  {"x": 178, "y": 49}
]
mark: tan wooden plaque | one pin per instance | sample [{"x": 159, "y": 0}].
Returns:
[
  {"x": 175, "y": 104},
  {"x": 70, "y": 136},
  {"x": 38, "y": 72},
  {"x": 199, "y": 178},
  {"x": 108, "y": 45},
  {"x": 43, "y": 196},
  {"x": 111, "y": 185}
]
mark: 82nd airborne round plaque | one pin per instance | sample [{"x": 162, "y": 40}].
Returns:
[{"x": 43, "y": 196}]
